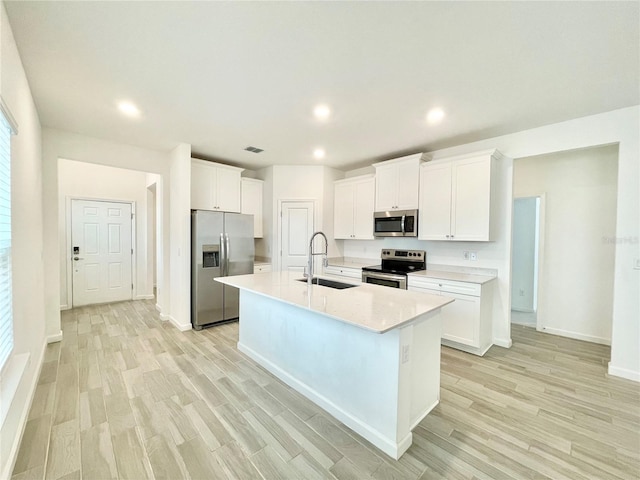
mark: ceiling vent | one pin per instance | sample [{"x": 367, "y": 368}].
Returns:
[{"x": 254, "y": 149}]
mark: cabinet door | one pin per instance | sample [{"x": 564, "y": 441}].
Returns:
[
  {"x": 408, "y": 185},
  {"x": 252, "y": 204},
  {"x": 227, "y": 191},
  {"x": 343, "y": 208},
  {"x": 471, "y": 199},
  {"x": 435, "y": 202},
  {"x": 363, "y": 210},
  {"x": 386, "y": 188},
  {"x": 461, "y": 319},
  {"x": 202, "y": 178}
]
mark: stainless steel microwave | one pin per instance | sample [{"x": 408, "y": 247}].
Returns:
[{"x": 395, "y": 223}]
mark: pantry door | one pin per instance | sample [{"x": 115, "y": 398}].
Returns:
[
  {"x": 101, "y": 253},
  {"x": 296, "y": 228}
]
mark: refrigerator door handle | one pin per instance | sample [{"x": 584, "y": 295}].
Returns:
[
  {"x": 227, "y": 249},
  {"x": 223, "y": 256}
]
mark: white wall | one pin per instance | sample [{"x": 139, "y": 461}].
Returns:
[
  {"x": 27, "y": 250},
  {"x": 57, "y": 144},
  {"x": 577, "y": 272},
  {"x": 619, "y": 126},
  {"x": 86, "y": 180},
  {"x": 297, "y": 182},
  {"x": 523, "y": 262},
  {"x": 180, "y": 237}
]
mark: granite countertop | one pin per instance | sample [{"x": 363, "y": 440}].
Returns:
[
  {"x": 454, "y": 276},
  {"x": 372, "y": 307}
]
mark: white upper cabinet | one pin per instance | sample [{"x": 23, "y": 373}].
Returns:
[
  {"x": 353, "y": 208},
  {"x": 215, "y": 186},
  {"x": 456, "y": 198},
  {"x": 397, "y": 183},
  {"x": 252, "y": 203}
]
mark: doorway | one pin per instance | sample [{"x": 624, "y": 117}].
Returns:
[
  {"x": 525, "y": 262},
  {"x": 101, "y": 241},
  {"x": 296, "y": 228}
]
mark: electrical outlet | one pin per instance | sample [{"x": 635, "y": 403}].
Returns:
[
  {"x": 473, "y": 256},
  {"x": 405, "y": 353},
  {"x": 465, "y": 255}
]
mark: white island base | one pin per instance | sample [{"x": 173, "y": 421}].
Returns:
[{"x": 381, "y": 385}]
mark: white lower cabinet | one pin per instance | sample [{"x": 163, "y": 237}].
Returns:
[
  {"x": 348, "y": 272},
  {"x": 261, "y": 268},
  {"x": 466, "y": 323}
]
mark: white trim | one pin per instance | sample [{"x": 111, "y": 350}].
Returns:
[
  {"x": 22, "y": 423},
  {"x": 624, "y": 373},
  {"x": 54, "y": 338},
  {"x": 180, "y": 326},
  {"x": 575, "y": 335},
  {"x": 503, "y": 342},
  {"x": 4, "y": 108},
  {"x": 145, "y": 297},
  {"x": 65, "y": 307},
  {"x": 164, "y": 317}
]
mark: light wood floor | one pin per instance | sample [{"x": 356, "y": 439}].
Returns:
[{"x": 125, "y": 395}]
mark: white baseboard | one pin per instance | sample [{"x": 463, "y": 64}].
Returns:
[
  {"x": 503, "y": 342},
  {"x": 145, "y": 297},
  {"x": 54, "y": 338},
  {"x": 158, "y": 307},
  {"x": 24, "y": 415},
  {"x": 180, "y": 326},
  {"x": 624, "y": 373},
  {"x": 387, "y": 445},
  {"x": 576, "y": 335},
  {"x": 65, "y": 307}
]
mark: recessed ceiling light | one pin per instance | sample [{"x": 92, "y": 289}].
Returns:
[
  {"x": 321, "y": 112},
  {"x": 129, "y": 109},
  {"x": 318, "y": 153},
  {"x": 435, "y": 115}
]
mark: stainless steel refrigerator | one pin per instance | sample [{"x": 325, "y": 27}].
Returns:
[{"x": 221, "y": 246}]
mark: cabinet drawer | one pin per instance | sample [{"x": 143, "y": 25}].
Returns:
[
  {"x": 463, "y": 288},
  {"x": 261, "y": 268},
  {"x": 344, "y": 271}
]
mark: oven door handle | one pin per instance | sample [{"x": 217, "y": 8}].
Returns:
[
  {"x": 384, "y": 276},
  {"x": 402, "y": 224}
]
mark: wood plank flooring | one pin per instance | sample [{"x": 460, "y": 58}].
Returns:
[{"x": 125, "y": 395}]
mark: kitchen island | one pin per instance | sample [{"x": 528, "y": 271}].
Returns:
[{"x": 369, "y": 355}]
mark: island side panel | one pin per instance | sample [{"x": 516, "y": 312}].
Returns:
[{"x": 352, "y": 373}]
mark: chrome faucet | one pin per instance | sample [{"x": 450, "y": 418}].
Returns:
[{"x": 325, "y": 261}]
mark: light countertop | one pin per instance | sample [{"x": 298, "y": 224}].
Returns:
[
  {"x": 454, "y": 276},
  {"x": 352, "y": 262},
  {"x": 372, "y": 307}
]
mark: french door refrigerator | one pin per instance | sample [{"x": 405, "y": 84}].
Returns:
[{"x": 221, "y": 246}]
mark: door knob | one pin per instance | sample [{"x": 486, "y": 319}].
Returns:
[{"x": 77, "y": 258}]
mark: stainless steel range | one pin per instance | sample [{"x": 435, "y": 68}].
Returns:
[{"x": 395, "y": 266}]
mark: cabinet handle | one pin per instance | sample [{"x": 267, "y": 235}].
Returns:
[{"x": 447, "y": 236}]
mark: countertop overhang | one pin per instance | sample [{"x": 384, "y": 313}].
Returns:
[{"x": 371, "y": 307}]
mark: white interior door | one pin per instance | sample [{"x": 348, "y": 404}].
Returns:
[
  {"x": 295, "y": 231},
  {"x": 101, "y": 251}
]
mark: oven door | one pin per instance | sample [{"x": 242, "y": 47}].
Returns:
[
  {"x": 398, "y": 223},
  {"x": 385, "y": 279}
]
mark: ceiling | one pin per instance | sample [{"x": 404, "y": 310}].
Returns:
[{"x": 225, "y": 75}]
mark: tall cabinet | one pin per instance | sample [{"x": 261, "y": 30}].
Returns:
[
  {"x": 215, "y": 186},
  {"x": 457, "y": 198},
  {"x": 353, "y": 208}
]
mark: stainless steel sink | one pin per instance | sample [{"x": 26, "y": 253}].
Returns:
[{"x": 323, "y": 282}]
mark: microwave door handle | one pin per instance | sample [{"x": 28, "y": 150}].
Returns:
[{"x": 402, "y": 224}]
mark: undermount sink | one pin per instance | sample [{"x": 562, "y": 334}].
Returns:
[{"x": 323, "y": 282}]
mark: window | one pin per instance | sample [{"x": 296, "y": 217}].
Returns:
[{"x": 6, "y": 309}]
